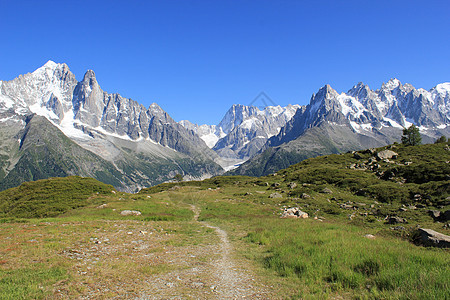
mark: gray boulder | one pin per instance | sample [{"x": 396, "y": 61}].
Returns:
[
  {"x": 429, "y": 237},
  {"x": 130, "y": 213},
  {"x": 386, "y": 154},
  {"x": 275, "y": 195},
  {"x": 294, "y": 212}
]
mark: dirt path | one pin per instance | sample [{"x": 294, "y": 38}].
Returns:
[{"x": 232, "y": 280}]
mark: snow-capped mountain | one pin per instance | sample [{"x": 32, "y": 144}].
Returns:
[
  {"x": 108, "y": 125},
  {"x": 243, "y": 130},
  {"x": 360, "y": 118},
  {"x": 210, "y": 134}
]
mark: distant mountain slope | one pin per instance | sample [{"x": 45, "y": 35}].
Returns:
[
  {"x": 359, "y": 119},
  {"x": 145, "y": 145},
  {"x": 243, "y": 130}
]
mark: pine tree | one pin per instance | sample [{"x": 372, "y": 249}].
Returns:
[
  {"x": 442, "y": 139},
  {"x": 411, "y": 136}
]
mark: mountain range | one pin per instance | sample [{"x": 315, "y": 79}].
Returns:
[{"x": 54, "y": 125}]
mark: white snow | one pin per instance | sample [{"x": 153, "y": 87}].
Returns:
[
  {"x": 43, "y": 111},
  {"x": 443, "y": 88},
  {"x": 392, "y": 122},
  {"x": 210, "y": 139},
  {"x": 360, "y": 127},
  {"x": 6, "y": 101},
  {"x": 249, "y": 123},
  {"x": 350, "y": 105}
]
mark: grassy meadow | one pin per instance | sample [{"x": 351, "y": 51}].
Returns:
[{"x": 65, "y": 237}]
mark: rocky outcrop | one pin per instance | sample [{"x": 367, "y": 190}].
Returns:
[
  {"x": 294, "y": 212},
  {"x": 429, "y": 237},
  {"x": 386, "y": 154}
]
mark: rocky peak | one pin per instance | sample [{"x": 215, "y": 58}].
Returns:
[
  {"x": 391, "y": 84},
  {"x": 359, "y": 91}
]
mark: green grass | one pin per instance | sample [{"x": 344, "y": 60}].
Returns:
[
  {"x": 51, "y": 197},
  {"x": 304, "y": 259},
  {"x": 29, "y": 282},
  {"x": 328, "y": 258}
]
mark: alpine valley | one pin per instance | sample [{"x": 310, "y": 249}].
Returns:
[{"x": 52, "y": 125}]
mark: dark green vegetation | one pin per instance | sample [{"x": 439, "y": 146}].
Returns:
[
  {"x": 51, "y": 197},
  {"x": 411, "y": 136},
  {"x": 346, "y": 249}
]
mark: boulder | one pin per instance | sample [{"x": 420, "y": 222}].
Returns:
[
  {"x": 386, "y": 154},
  {"x": 395, "y": 220},
  {"x": 294, "y": 212},
  {"x": 327, "y": 191},
  {"x": 429, "y": 237},
  {"x": 130, "y": 213},
  {"x": 275, "y": 195},
  {"x": 292, "y": 185},
  {"x": 440, "y": 216}
]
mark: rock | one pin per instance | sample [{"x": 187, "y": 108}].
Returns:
[
  {"x": 275, "y": 195},
  {"x": 435, "y": 214},
  {"x": 429, "y": 237},
  {"x": 276, "y": 184},
  {"x": 305, "y": 196},
  {"x": 395, "y": 220},
  {"x": 386, "y": 154},
  {"x": 327, "y": 191},
  {"x": 102, "y": 206},
  {"x": 398, "y": 228},
  {"x": 370, "y": 151},
  {"x": 356, "y": 155},
  {"x": 439, "y": 216},
  {"x": 292, "y": 185},
  {"x": 369, "y": 236},
  {"x": 294, "y": 212},
  {"x": 130, "y": 213},
  {"x": 346, "y": 206},
  {"x": 248, "y": 194},
  {"x": 260, "y": 192}
]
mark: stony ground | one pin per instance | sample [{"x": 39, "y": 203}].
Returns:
[{"x": 129, "y": 259}]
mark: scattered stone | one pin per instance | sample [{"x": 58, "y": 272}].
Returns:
[
  {"x": 305, "y": 196},
  {"x": 346, "y": 206},
  {"x": 102, "y": 206},
  {"x": 143, "y": 232},
  {"x": 260, "y": 192},
  {"x": 439, "y": 216},
  {"x": 327, "y": 191},
  {"x": 248, "y": 194},
  {"x": 292, "y": 185},
  {"x": 130, "y": 213},
  {"x": 356, "y": 155},
  {"x": 402, "y": 209},
  {"x": 294, "y": 212},
  {"x": 395, "y": 220},
  {"x": 429, "y": 237},
  {"x": 275, "y": 195},
  {"x": 113, "y": 192},
  {"x": 369, "y": 236},
  {"x": 386, "y": 154},
  {"x": 129, "y": 232},
  {"x": 398, "y": 228},
  {"x": 370, "y": 151}
]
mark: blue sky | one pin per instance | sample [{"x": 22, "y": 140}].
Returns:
[{"x": 197, "y": 58}]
